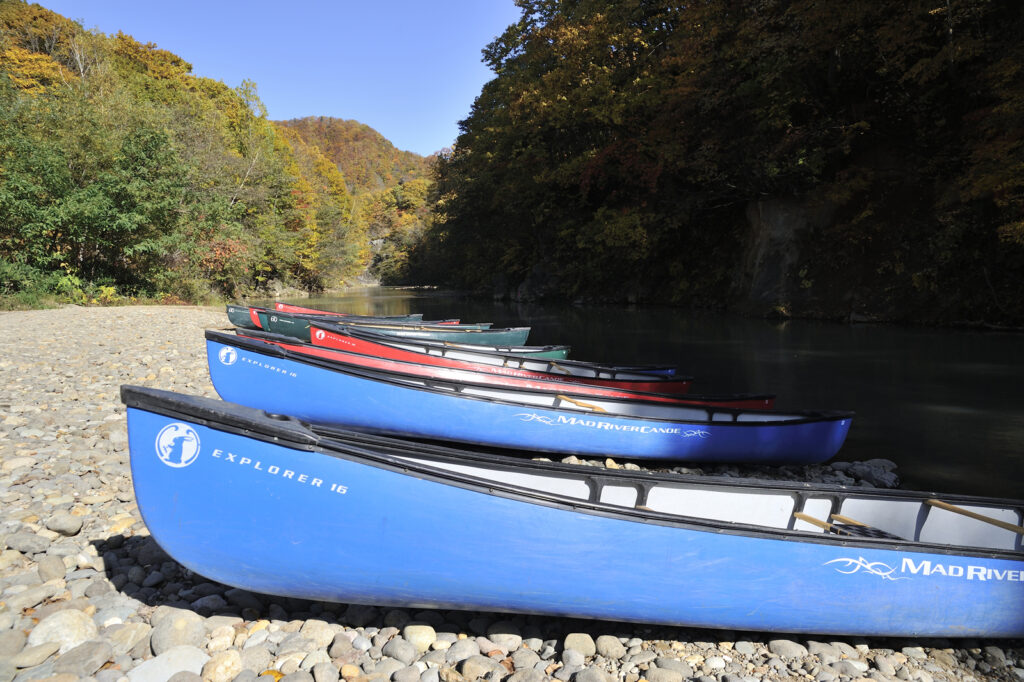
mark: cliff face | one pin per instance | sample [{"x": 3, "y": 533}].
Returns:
[{"x": 768, "y": 278}]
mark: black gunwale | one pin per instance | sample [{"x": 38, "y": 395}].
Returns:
[{"x": 366, "y": 335}]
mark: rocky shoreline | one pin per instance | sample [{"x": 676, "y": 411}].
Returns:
[{"x": 85, "y": 593}]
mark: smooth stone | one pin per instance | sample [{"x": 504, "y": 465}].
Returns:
[
  {"x": 848, "y": 667},
  {"x": 34, "y": 655},
  {"x": 745, "y": 647},
  {"x": 421, "y": 636},
  {"x": 408, "y": 674},
  {"x": 7, "y": 671},
  {"x": 340, "y": 645},
  {"x": 826, "y": 653},
  {"x": 51, "y": 568},
  {"x": 524, "y": 658},
  {"x": 319, "y": 632},
  {"x": 11, "y": 642},
  {"x": 527, "y": 675},
  {"x": 298, "y": 676},
  {"x": 943, "y": 658},
  {"x": 223, "y": 666},
  {"x": 592, "y": 675},
  {"x": 176, "y": 659},
  {"x": 431, "y": 675},
  {"x": 314, "y": 658},
  {"x": 714, "y": 663},
  {"x": 65, "y": 524},
  {"x": 325, "y": 672},
  {"x": 610, "y": 647},
  {"x": 461, "y": 650},
  {"x": 573, "y": 658},
  {"x": 787, "y": 648},
  {"x": 185, "y": 676},
  {"x": 179, "y": 628},
  {"x": 126, "y": 636},
  {"x": 256, "y": 658},
  {"x": 681, "y": 667},
  {"x": 663, "y": 675},
  {"x": 505, "y": 634},
  {"x": 210, "y": 603},
  {"x": 33, "y": 596},
  {"x": 478, "y": 666},
  {"x": 581, "y": 642},
  {"x": 27, "y": 543},
  {"x": 70, "y": 628},
  {"x": 388, "y": 666},
  {"x": 85, "y": 659}
]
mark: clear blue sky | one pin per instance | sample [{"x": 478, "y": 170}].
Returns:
[{"x": 410, "y": 69}]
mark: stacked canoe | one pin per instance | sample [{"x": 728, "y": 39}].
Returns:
[{"x": 380, "y": 427}]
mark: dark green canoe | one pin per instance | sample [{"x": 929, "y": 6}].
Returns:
[{"x": 298, "y": 327}]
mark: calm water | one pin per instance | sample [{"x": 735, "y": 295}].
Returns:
[{"x": 947, "y": 406}]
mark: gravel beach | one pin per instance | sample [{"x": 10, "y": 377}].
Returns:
[{"x": 85, "y": 593}]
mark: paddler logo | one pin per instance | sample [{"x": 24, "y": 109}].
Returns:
[
  {"x": 227, "y": 356},
  {"x": 319, "y": 334},
  {"x": 848, "y": 565},
  {"x": 177, "y": 445}
]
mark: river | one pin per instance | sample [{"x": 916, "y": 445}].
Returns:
[{"x": 946, "y": 405}]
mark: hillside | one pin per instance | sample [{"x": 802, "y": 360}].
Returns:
[
  {"x": 123, "y": 174},
  {"x": 366, "y": 158},
  {"x": 841, "y": 160}
]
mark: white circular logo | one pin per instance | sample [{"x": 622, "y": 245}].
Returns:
[
  {"x": 227, "y": 356},
  {"x": 273, "y": 318},
  {"x": 320, "y": 334},
  {"x": 177, "y": 445}
]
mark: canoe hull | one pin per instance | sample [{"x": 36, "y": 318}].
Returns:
[
  {"x": 319, "y": 395},
  {"x": 336, "y": 527}
]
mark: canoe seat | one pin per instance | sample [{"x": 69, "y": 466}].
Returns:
[
  {"x": 860, "y": 531},
  {"x": 844, "y": 525}
]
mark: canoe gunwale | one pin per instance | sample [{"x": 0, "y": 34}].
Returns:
[
  {"x": 295, "y": 434},
  {"x": 368, "y": 335},
  {"x": 431, "y": 385},
  {"x": 684, "y": 398}
]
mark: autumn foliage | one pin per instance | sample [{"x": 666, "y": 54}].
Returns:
[{"x": 621, "y": 148}]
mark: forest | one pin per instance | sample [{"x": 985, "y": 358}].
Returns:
[
  {"x": 122, "y": 176},
  {"x": 779, "y": 157},
  {"x": 794, "y": 157}
]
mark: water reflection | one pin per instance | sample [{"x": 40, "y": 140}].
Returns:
[{"x": 946, "y": 405}]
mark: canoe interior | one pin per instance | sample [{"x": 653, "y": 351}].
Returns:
[{"x": 910, "y": 520}]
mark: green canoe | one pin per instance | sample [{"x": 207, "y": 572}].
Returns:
[{"x": 298, "y": 327}]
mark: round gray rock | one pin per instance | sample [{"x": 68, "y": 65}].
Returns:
[
  {"x": 581, "y": 642},
  {"x": 70, "y": 628}
]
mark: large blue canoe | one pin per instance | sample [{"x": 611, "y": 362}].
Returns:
[
  {"x": 265, "y": 376},
  {"x": 269, "y": 505}
]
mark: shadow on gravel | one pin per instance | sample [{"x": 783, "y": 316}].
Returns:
[{"x": 138, "y": 568}]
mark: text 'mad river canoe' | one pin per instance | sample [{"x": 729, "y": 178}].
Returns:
[
  {"x": 265, "y": 376},
  {"x": 488, "y": 375},
  {"x": 267, "y": 504}
]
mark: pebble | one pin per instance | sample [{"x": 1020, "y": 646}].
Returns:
[{"x": 108, "y": 604}]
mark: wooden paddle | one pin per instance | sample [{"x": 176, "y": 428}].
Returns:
[{"x": 975, "y": 515}]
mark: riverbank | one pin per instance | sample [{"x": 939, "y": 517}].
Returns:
[{"x": 86, "y": 594}]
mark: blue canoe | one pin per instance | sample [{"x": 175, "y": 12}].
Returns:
[
  {"x": 269, "y": 505},
  {"x": 265, "y": 376}
]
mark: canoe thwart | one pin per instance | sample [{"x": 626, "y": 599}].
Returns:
[
  {"x": 974, "y": 515},
  {"x": 580, "y": 403}
]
